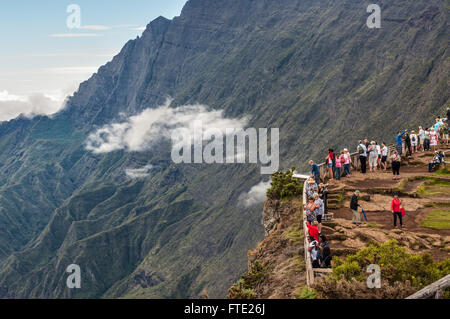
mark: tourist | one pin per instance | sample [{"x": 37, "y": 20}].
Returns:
[
  {"x": 445, "y": 134},
  {"x": 313, "y": 230},
  {"x": 347, "y": 162},
  {"x": 354, "y": 207},
  {"x": 362, "y": 149},
  {"x": 373, "y": 156},
  {"x": 396, "y": 208},
  {"x": 309, "y": 210},
  {"x": 378, "y": 148},
  {"x": 318, "y": 210},
  {"x": 441, "y": 156},
  {"x": 421, "y": 138},
  {"x": 433, "y": 139},
  {"x": 323, "y": 194},
  {"x": 408, "y": 144},
  {"x": 311, "y": 187},
  {"x": 436, "y": 161},
  {"x": 427, "y": 139},
  {"x": 399, "y": 144},
  {"x": 414, "y": 141},
  {"x": 396, "y": 163},
  {"x": 326, "y": 258},
  {"x": 339, "y": 161},
  {"x": 384, "y": 155},
  {"x": 314, "y": 250},
  {"x": 329, "y": 160},
  {"x": 315, "y": 171}
]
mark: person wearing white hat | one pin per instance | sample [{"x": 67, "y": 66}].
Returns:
[{"x": 347, "y": 162}]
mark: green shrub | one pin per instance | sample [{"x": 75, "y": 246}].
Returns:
[
  {"x": 396, "y": 263},
  {"x": 402, "y": 273},
  {"x": 245, "y": 287},
  {"x": 305, "y": 293},
  {"x": 284, "y": 186}
]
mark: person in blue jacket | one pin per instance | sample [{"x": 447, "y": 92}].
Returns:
[
  {"x": 400, "y": 141},
  {"x": 315, "y": 171}
]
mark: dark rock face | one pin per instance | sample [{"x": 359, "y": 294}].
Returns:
[{"x": 312, "y": 69}]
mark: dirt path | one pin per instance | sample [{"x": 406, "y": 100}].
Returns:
[{"x": 377, "y": 188}]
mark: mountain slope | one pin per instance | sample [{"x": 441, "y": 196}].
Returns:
[{"x": 313, "y": 70}]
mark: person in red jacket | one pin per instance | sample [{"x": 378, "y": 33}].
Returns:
[
  {"x": 396, "y": 208},
  {"x": 313, "y": 230}
]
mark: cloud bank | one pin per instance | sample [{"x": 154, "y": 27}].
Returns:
[
  {"x": 256, "y": 195},
  {"x": 138, "y": 172},
  {"x": 11, "y": 106},
  {"x": 140, "y": 132}
]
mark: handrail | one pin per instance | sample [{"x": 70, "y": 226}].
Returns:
[
  {"x": 435, "y": 290},
  {"x": 308, "y": 262}
]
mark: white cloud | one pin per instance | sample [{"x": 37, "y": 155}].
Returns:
[
  {"x": 139, "y": 172},
  {"x": 12, "y": 105},
  {"x": 140, "y": 28},
  {"x": 95, "y": 27},
  {"x": 256, "y": 195},
  {"x": 73, "y": 70},
  {"x": 141, "y": 131},
  {"x": 75, "y": 35}
]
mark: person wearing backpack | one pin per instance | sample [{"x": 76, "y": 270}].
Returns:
[
  {"x": 396, "y": 208},
  {"x": 362, "y": 150}
]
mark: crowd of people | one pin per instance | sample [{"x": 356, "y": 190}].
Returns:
[{"x": 376, "y": 156}]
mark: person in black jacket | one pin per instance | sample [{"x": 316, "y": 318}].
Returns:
[
  {"x": 354, "y": 207},
  {"x": 323, "y": 194}
]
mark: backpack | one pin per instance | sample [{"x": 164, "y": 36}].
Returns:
[{"x": 360, "y": 149}]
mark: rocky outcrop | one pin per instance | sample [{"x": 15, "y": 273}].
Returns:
[{"x": 275, "y": 214}]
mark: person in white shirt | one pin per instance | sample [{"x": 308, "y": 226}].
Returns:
[
  {"x": 378, "y": 148},
  {"x": 421, "y": 138},
  {"x": 414, "y": 142},
  {"x": 384, "y": 156}
]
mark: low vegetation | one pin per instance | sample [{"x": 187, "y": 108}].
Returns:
[
  {"x": 245, "y": 287},
  {"x": 284, "y": 186},
  {"x": 402, "y": 273},
  {"x": 305, "y": 293},
  {"x": 437, "y": 219}
]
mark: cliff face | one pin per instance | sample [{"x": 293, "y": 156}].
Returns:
[{"x": 312, "y": 69}]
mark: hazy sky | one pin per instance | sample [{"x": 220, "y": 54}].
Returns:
[{"x": 40, "y": 55}]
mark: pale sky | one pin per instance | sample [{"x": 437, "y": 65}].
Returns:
[{"x": 42, "y": 60}]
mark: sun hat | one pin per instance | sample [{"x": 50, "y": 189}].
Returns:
[{"x": 358, "y": 192}]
